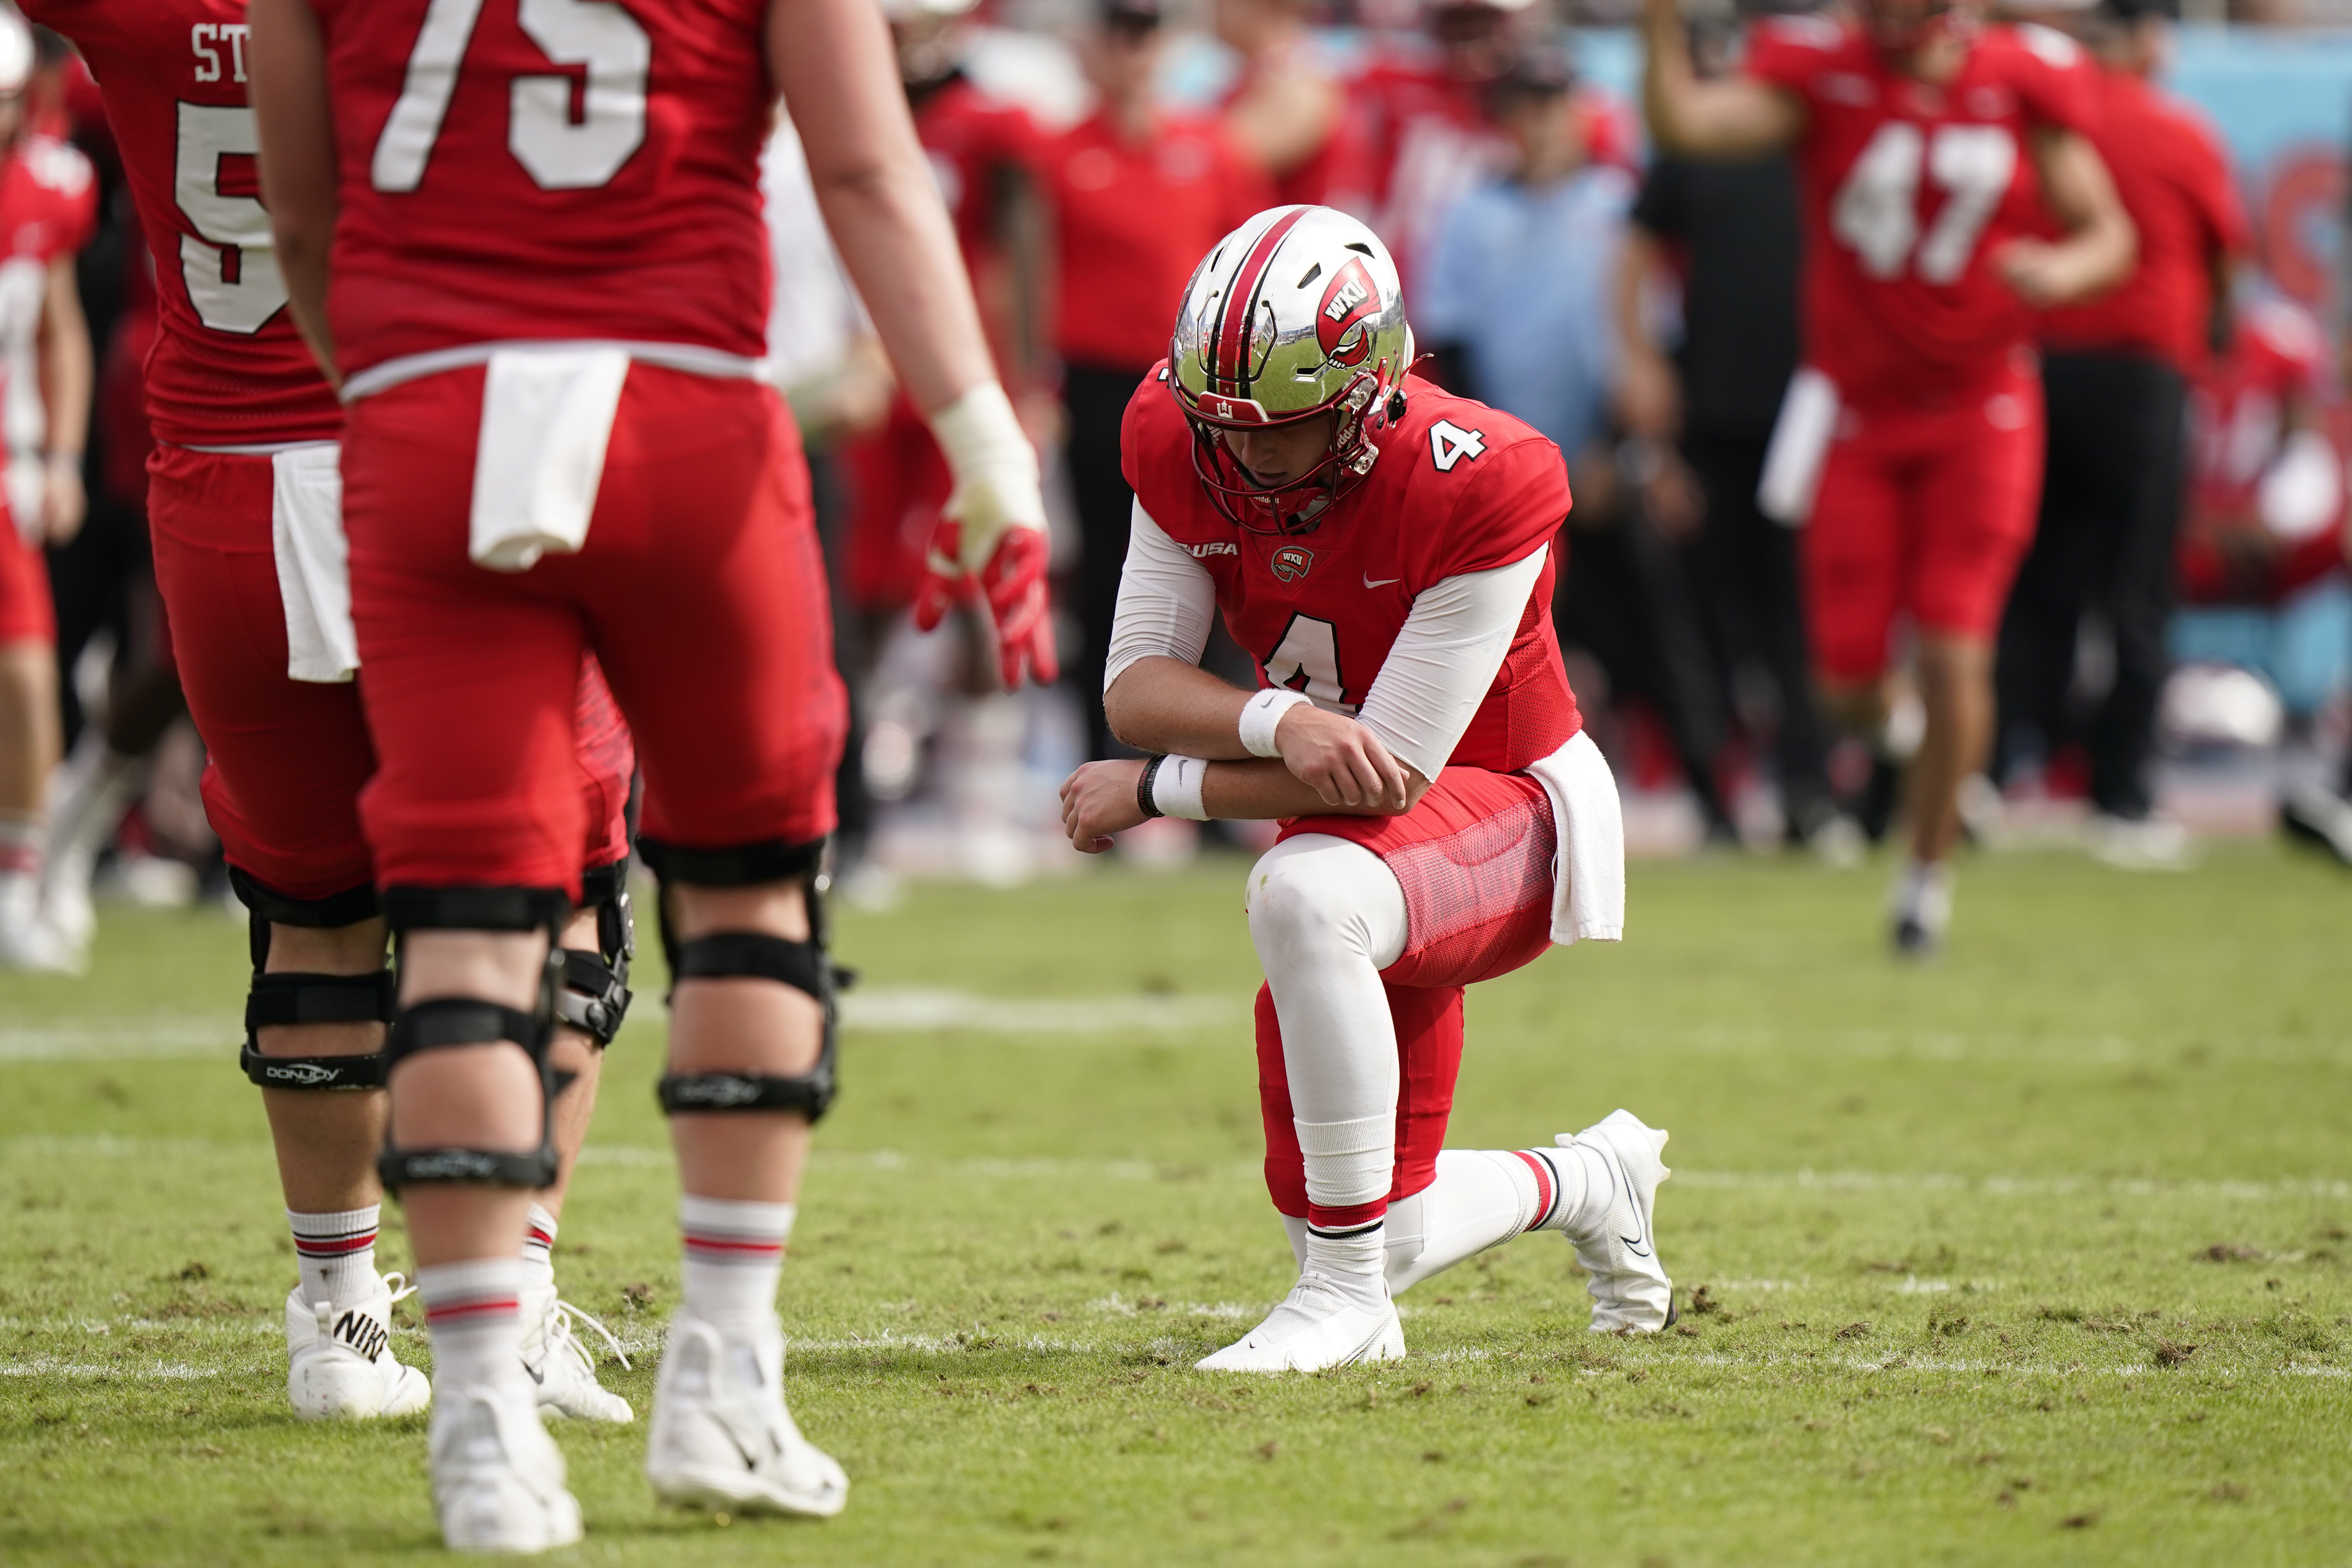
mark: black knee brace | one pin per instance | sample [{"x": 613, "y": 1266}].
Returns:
[
  {"x": 470, "y": 1021},
  {"x": 297, "y": 998},
  {"x": 596, "y": 995},
  {"x": 802, "y": 965}
]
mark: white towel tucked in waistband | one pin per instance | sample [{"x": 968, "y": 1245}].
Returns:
[
  {"x": 314, "y": 576},
  {"x": 1589, "y": 883},
  {"x": 546, "y": 417}
]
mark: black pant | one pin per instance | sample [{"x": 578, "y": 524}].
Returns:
[
  {"x": 2110, "y": 507},
  {"x": 1745, "y": 570},
  {"x": 1096, "y": 397}
]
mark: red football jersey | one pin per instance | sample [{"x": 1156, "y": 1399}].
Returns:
[
  {"x": 1458, "y": 487},
  {"x": 2238, "y": 407},
  {"x": 2174, "y": 180},
  {"x": 970, "y": 138},
  {"x": 1131, "y": 225},
  {"x": 581, "y": 172},
  {"x": 1428, "y": 139},
  {"x": 48, "y": 208},
  {"x": 227, "y": 368},
  {"x": 1908, "y": 191}
]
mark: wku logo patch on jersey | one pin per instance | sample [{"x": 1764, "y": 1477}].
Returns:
[
  {"x": 1292, "y": 561},
  {"x": 1350, "y": 299}
]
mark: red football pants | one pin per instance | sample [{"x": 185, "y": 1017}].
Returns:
[
  {"x": 26, "y": 611},
  {"x": 898, "y": 483},
  {"x": 286, "y": 759},
  {"x": 700, "y": 589},
  {"x": 1474, "y": 858},
  {"x": 1924, "y": 511}
]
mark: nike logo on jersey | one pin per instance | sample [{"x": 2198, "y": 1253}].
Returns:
[{"x": 1381, "y": 583}]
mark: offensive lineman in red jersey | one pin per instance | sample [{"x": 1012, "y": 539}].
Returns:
[
  {"x": 242, "y": 506},
  {"x": 1928, "y": 146},
  {"x": 1382, "y": 548},
  {"x": 528, "y": 235}
]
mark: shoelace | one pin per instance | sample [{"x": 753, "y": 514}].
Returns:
[
  {"x": 397, "y": 1283},
  {"x": 566, "y": 1314}
]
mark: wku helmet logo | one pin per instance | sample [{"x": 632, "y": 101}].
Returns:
[{"x": 1349, "y": 301}]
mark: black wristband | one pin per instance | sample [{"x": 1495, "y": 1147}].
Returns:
[{"x": 1143, "y": 801}]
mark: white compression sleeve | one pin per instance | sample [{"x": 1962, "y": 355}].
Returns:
[
  {"x": 1327, "y": 917},
  {"x": 1165, "y": 601},
  {"x": 1445, "y": 660},
  {"x": 1476, "y": 1201}
]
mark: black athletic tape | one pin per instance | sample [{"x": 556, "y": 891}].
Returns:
[
  {"x": 319, "y": 1073},
  {"x": 476, "y": 908},
  {"x": 462, "y": 1021},
  {"x": 735, "y": 866},
  {"x": 347, "y": 908}
]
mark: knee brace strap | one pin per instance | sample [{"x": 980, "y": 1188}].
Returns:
[
  {"x": 755, "y": 955},
  {"x": 291, "y": 998},
  {"x": 595, "y": 995},
  {"x": 468, "y": 1021}
]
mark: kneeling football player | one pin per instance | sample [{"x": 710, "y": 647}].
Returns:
[{"x": 1382, "y": 549}]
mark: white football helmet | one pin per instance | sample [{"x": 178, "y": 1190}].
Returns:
[{"x": 1294, "y": 315}]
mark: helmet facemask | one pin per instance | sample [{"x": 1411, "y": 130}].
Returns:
[{"x": 1298, "y": 505}]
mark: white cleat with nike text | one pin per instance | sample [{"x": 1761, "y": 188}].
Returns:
[
  {"x": 498, "y": 1477},
  {"x": 1317, "y": 1325},
  {"x": 723, "y": 1438},
  {"x": 561, "y": 1371},
  {"x": 340, "y": 1365},
  {"x": 1629, "y": 1285}
]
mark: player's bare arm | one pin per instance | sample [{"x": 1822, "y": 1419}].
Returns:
[
  {"x": 1725, "y": 116},
  {"x": 2100, "y": 244},
  {"x": 65, "y": 375},
  {"x": 287, "y": 63}
]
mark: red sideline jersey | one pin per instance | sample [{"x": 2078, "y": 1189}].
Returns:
[
  {"x": 970, "y": 138},
  {"x": 1909, "y": 190},
  {"x": 2174, "y": 181},
  {"x": 1131, "y": 222},
  {"x": 2237, "y": 419},
  {"x": 1428, "y": 139},
  {"x": 227, "y": 368},
  {"x": 1458, "y": 488},
  {"x": 465, "y": 217}
]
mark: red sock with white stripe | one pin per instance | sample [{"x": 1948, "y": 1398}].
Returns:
[
  {"x": 539, "y": 1249},
  {"x": 734, "y": 1256},
  {"x": 474, "y": 1313},
  {"x": 337, "y": 1253}
]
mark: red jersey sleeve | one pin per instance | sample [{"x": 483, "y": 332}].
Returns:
[
  {"x": 2054, "y": 80},
  {"x": 1791, "y": 52},
  {"x": 1516, "y": 499},
  {"x": 2205, "y": 176}
]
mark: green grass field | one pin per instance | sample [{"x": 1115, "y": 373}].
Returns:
[{"x": 2035, "y": 1255}]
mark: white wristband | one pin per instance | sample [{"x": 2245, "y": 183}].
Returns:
[
  {"x": 981, "y": 428},
  {"x": 1262, "y": 715},
  {"x": 1176, "y": 788}
]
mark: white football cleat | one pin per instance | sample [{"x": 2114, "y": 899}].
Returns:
[
  {"x": 498, "y": 1477},
  {"x": 340, "y": 1365},
  {"x": 1317, "y": 1325},
  {"x": 1629, "y": 1285},
  {"x": 561, "y": 1371},
  {"x": 27, "y": 939},
  {"x": 723, "y": 1438}
]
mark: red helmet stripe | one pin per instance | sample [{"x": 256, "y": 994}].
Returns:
[{"x": 1232, "y": 362}]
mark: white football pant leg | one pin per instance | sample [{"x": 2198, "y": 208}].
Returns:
[{"x": 1327, "y": 917}]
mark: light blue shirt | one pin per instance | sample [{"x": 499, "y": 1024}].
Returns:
[{"x": 1522, "y": 277}]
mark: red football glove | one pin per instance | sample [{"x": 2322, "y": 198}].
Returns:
[
  {"x": 1012, "y": 583},
  {"x": 990, "y": 537}
]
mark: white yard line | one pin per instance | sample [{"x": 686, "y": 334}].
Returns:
[{"x": 128, "y": 1039}]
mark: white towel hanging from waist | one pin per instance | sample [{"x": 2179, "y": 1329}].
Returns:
[
  {"x": 547, "y": 415},
  {"x": 1589, "y": 883},
  {"x": 314, "y": 577}
]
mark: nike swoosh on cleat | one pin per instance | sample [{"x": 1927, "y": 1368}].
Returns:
[
  {"x": 1382, "y": 582},
  {"x": 1633, "y": 1245},
  {"x": 536, "y": 1375}
]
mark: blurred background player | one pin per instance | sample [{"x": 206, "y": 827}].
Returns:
[
  {"x": 1720, "y": 239},
  {"x": 249, "y": 556},
  {"x": 1137, "y": 194},
  {"x": 47, "y": 208},
  {"x": 2114, "y": 376},
  {"x": 2265, "y": 515},
  {"x": 1383, "y": 549},
  {"x": 1514, "y": 304},
  {"x": 1287, "y": 110},
  {"x": 592, "y": 356},
  {"x": 1932, "y": 154}
]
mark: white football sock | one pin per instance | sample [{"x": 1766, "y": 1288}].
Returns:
[
  {"x": 538, "y": 1249},
  {"x": 1923, "y": 894},
  {"x": 474, "y": 1314},
  {"x": 337, "y": 1254},
  {"x": 20, "y": 845},
  {"x": 99, "y": 782},
  {"x": 1483, "y": 1197},
  {"x": 1352, "y": 1262},
  {"x": 734, "y": 1256}
]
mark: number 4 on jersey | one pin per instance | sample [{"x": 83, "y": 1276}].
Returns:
[{"x": 1449, "y": 443}]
